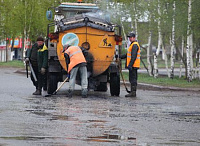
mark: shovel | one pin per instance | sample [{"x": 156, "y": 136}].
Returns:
[
  {"x": 124, "y": 82},
  {"x": 57, "y": 88},
  {"x": 120, "y": 70}
]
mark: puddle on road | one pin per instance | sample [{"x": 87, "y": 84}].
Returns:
[
  {"x": 152, "y": 103},
  {"x": 23, "y": 138},
  {"x": 187, "y": 116},
  {"x": 63, "y": 117},
  {"x": 111, "y": 138},
  {"x": 39, "y": 112},
  {"x": 98, "y": 121},
  {"x": 180, "y": 142}
]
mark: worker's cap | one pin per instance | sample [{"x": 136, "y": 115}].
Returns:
[
  {"x": 65, "y": 47},
  {"x": 40, "y": 39},
  {"x": 131, "y": 35}
]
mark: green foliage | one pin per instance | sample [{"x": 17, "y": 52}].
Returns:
[{"x": 24, "y": 18}]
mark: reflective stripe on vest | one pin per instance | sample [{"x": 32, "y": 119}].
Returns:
[
  {"x": 75, "y": 55},
  {"x": 137, "y": 60}
]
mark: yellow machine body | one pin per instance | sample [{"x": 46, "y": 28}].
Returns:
[
  {"x": 102, "y": 47},
  {"x": 86, "y": 26}
]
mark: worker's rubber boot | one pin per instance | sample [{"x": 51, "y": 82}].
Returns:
[
  {"x": 132, "y": 93},
  {"x": 84, "y": 93},
  {"x": 37, "y": 92},
  {"x": 69, "y": 94}
]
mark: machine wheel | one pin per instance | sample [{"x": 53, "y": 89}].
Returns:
[
  {"x": 102, "y": 87},
  {"x": 114, "y": 84},
  {"x": 52, "y": 83}
]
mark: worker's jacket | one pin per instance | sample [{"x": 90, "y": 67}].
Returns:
[
  {"x": 76, "y": 56},
  {"x": 137, "y": 60},
  {"x": 42, "y": 57},
  {"x": 32, "y": 54}
]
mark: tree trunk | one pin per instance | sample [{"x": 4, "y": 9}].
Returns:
[
  {"x": 22, "y": 49},
  {"x": 173, "y": 43},
  {"x": 159, "y": 43},
  {"x": 149, "y": 48},
  {"x": 155, "y": 65},
  {"x": 199, "y": 65},
  {"x": 166, "y": 60},
  {"x": 6, "y": 49},
  {"x": 135, "y": 20},
  {"x": 189, "y": 44},
  {"x": 196, "y": 65},
  {"x": 123, "y": 30},
  {"x": 181, "y": 64}
]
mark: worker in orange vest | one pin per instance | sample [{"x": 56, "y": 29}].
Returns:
[
  {"x": 132, "y": 63},
  {"x": 76, "y": 62}
]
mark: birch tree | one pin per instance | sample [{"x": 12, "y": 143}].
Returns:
[
  {"x": 149, "y": 48},
  {"x": 199, "y": 65},
  {"x": 182, "y": 49},
  {"x": 173, "y": 42},
  {"x": 189, "y": 47},
  {"x": 135, "y": 19},
  {"x": 159, "y": 43}
]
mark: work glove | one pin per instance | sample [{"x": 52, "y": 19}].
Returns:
[
  {"x": 129, "y": 67},
  {"x": 27, "y": 60},
  {"x": 43, "y": 70}
]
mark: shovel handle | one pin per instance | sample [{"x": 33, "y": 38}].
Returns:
[{"x": 60, "y": 85}]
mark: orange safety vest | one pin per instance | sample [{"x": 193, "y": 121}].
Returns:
[
  {"x": 137, "y": 60},
  {"x": 75, "y": 55}
]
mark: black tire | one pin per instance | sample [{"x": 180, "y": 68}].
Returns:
[
  {"x": 102, "y": 87},
  {"x": 52, "y": 83},
  {"x": 114, "y": 84}
]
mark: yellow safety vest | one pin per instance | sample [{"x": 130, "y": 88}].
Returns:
[
  {"x": 75, "y": 55},
  {"x": 137, "y": 60}
]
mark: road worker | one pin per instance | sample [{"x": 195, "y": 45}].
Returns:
[
  {"x": 75, "y": 62},
  {"x": 38, "y": 57},
  {"x": 132, "y": 63}
]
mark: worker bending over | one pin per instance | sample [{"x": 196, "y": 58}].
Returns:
[{"x": 75, "y": 62}]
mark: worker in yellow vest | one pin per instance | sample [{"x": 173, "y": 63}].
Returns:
[
  {"x": 76, "y": 62},
  {"x": 132, "y": 63}
]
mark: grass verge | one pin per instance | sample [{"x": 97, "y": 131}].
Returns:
[
  {"x": 165, "y": 81},
  {"x": 15, "y": 63}
]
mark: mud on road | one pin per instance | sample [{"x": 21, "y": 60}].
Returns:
[{"x": 153, "y": 118}]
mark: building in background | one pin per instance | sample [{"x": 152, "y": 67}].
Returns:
[{"x": 17, "y": 52}]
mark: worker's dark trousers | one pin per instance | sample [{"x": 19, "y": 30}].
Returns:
[
  {"x": 133, "y": 76},
  {"x": 35, "y": 69},
  {"x": 42, "y": 81}
]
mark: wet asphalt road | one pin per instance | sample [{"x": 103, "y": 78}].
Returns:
[{"x": 153, "y": 118}]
